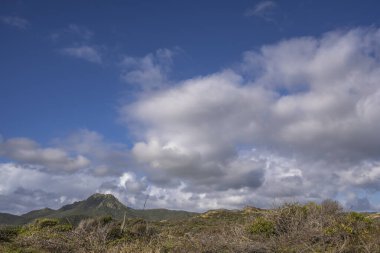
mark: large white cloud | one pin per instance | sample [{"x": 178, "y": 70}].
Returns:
[{"x": 310, "y": 102}]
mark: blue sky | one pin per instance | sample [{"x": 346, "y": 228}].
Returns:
[{"x": 87, "y": 91}]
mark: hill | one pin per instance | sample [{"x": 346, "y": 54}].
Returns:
[
  {"x": 10, "y": 219},
  {"x": 38, "y": 213},
  {"x": 95, "y": 206}
]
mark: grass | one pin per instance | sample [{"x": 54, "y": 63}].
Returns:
[{"x": 292, "y": 227}]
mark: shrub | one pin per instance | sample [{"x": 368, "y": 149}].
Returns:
[
  {"x": 46, "y": 222},
  {"x": 331, "y": 207},
  {"x": 114, "y": 233},
  {"x": 262, "y": 226},
  {"x": 106, "y": 219},
  {"x": 139, "y": 228},
  {"x": 290, "y": 217}
]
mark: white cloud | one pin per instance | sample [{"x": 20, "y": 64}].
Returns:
[
  {"x": 87, "y": 53},
  {"x": 51, "y": 159},
  {"x": 308, "y": 102},
  {"x": 24, "y": 188},
  {"x": 107, "y": 158},
  {"x": 149, "y": 72},
  {"x": 15, "y": 21},
  {"x": 83, "y": 150}
]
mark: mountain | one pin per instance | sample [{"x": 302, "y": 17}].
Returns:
[{"x": 94, "y": 206}]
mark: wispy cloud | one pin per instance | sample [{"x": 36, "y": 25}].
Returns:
[
  {"x": 262, "y": 9},
  {"x": 148, "y": 72},
  {"x": 81, "y": 31},
  {"x": 87, "y": 53},
  {"x": 15, "y": 21},
  {"x": 73, "y": 31}
]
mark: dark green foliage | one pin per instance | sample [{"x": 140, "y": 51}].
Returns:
[
  {"x": 106, "y": 219},
  {"x": 8, "y": 233}
]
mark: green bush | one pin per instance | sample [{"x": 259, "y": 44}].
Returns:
[
  {"x": 262, "y": 226},
  {"x": 106, "y": 219},
  {"x": 358, "y": 224},
  {"x": 46, "y": 222},
  {"x": 63, "y": 227}
]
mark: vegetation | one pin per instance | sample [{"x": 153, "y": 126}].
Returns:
[{"x": 292, "y": 227}]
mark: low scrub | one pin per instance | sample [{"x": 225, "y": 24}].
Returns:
[
  {"x": 317, "y": 228},
  {"x": 292, "y": 227}
]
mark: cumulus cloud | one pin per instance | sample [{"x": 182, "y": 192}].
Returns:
[
  {"x": 107, "y": 158},
  {"x": 87, "y": 53},
  {"x": 307, "y": 102},
  {"x": 148, "y": 72},
  {"x": 82, "y": 150},
  {"x": 27, "y": 151},
  {"x": 15, "y": 21},
  {"x": 327, "y": 93}
]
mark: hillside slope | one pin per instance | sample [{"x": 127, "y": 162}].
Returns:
[
  {"x": 10, "y": 219},
  {"x": 94, "y": 206}
]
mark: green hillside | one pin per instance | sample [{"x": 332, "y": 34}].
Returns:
[
  {"x": 38, "y": 214},
  {"x": 96, "y": 205},
  {"x": 10, "y": 219}
]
